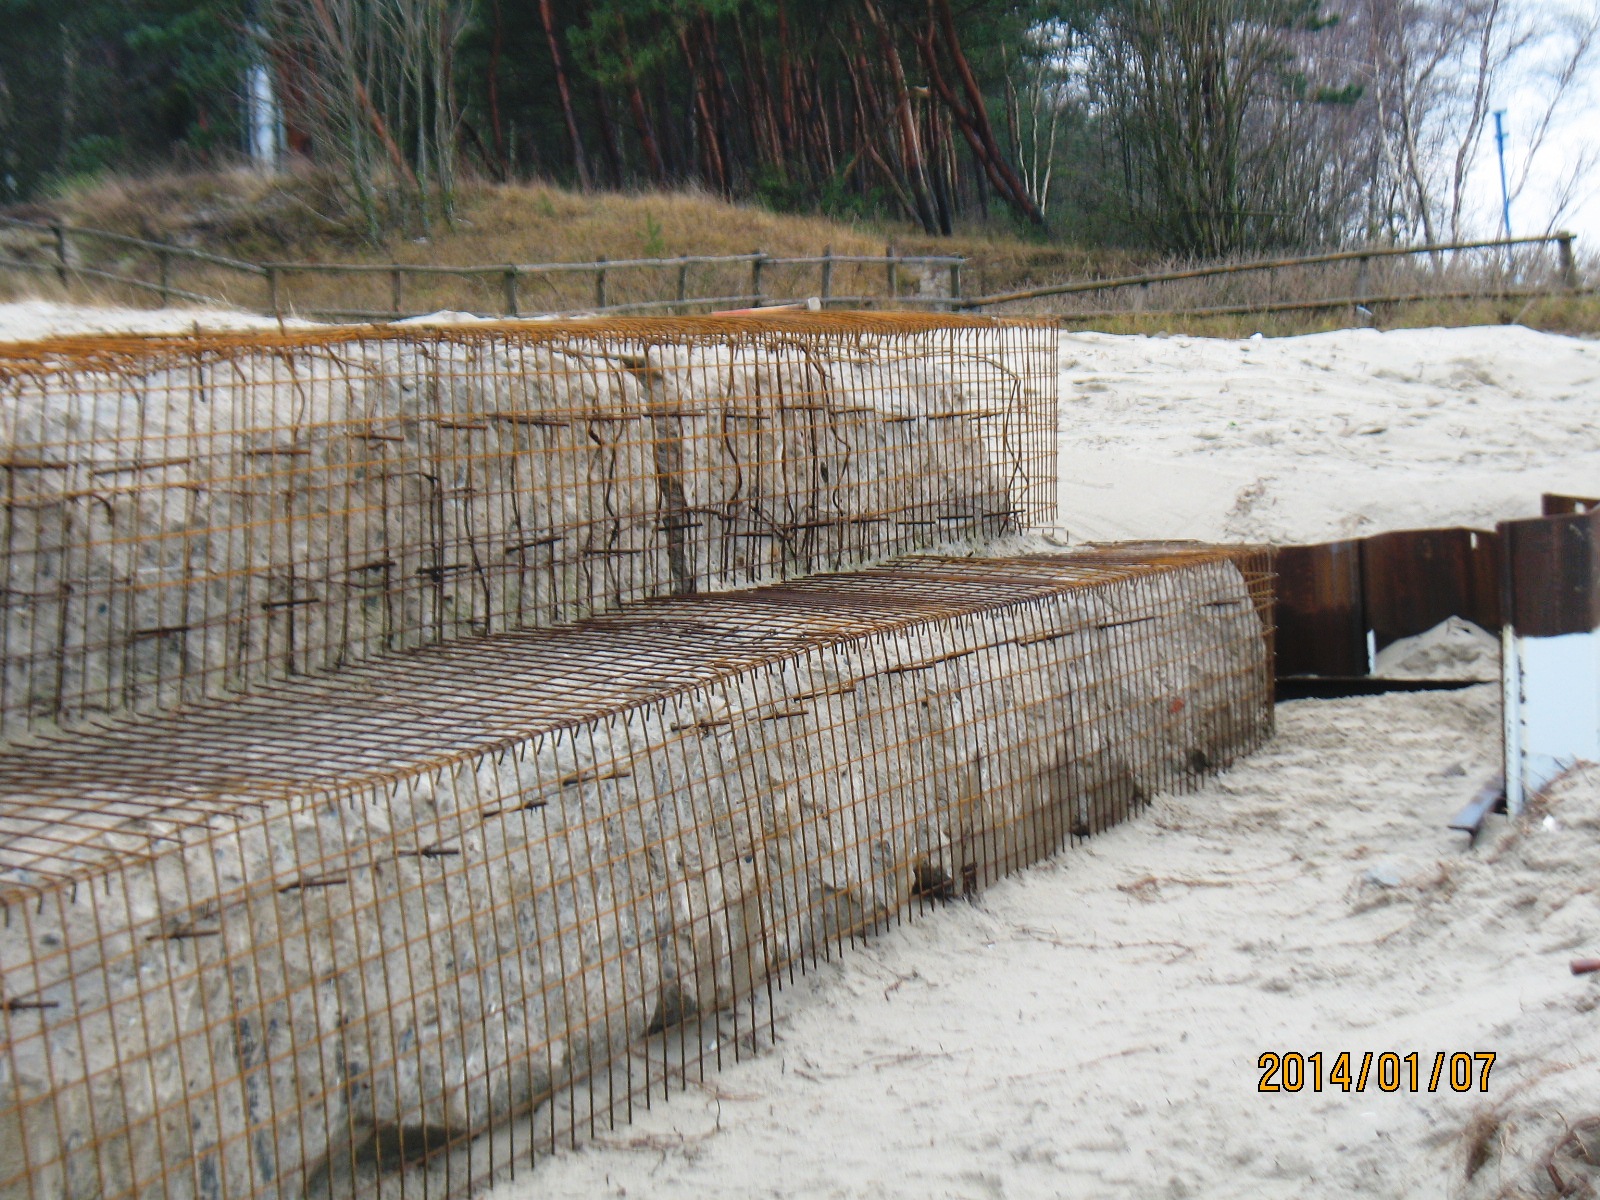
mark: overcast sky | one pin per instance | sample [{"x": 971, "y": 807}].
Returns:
[{"x": 1578, "y": 127}]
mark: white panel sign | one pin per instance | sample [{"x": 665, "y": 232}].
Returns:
[{"x": 1552, "y": 708}]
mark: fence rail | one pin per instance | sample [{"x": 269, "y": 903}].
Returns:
[
  {"x": 942, "y": 272},
  {"x": 752, "y": 280},
  {"x": 1565, "y": 279},
  {"x": 1331, "y": 302}
]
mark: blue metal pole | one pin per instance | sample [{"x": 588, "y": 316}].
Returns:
[{"x": 1500, "y": 145}]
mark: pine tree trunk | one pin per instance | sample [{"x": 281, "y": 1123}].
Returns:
[{"x": 580, "y": 160}]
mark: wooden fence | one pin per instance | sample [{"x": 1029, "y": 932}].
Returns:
[
  {"x": 746, "y": 280},
  {"x": 1358, "y": 280},
  {"x": 1503, "y": 273}
]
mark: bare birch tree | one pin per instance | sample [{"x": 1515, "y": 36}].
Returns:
[
  {"x": 1038, "y": 97},
  {"x": 1435, "y": 70},
  {"x": 377, "y": 92}
]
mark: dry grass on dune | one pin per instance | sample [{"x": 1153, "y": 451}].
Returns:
[{"x": 306, "y": 217}]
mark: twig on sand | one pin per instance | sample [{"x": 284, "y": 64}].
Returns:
[
  {"x": 877, "y": 1064},
  {"x": 894, "y": 1060},
  {"x": 663, "y": 1142},
  {"x": 1070, "y": 1068},
  {"x": 1579, "y": 1149},
  {"x": 704, "y": 1085},
  {"x": 1146, "y": 886},
  {"x": 898, "y": 980},
  {"x": 1043, "y": 935},
  {"x": 1131, "y": 1050}
]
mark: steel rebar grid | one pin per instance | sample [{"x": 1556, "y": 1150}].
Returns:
[
  {"x": 196, "y": 515},
  {"x": 447, "y": 910}
]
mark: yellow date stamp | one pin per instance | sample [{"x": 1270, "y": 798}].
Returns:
[{"x": 1347, "y": 1071}]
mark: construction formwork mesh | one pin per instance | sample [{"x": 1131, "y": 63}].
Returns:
[
  {"x": 400, "y": 929},
  {"x": 188, "y": 516}
]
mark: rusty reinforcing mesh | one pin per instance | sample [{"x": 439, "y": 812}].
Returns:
[
  {"x": 196, "y": 516},
  {"x": 399, "y": 929},
  {"x": 188, "y": 516}
]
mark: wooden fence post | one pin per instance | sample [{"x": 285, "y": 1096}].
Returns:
[
  {"x": 892, "y": 277},
  {"x": 1568, "y": 264},
  {"x": 61, "y": 253},
  {"x": 164, "y": 276},
  {"x": 600, "y": 284},
  {"x": 827, "y": 275},
  {"x": 683, "y": 288},
  {"x": 272, "y": 290},
  {"x": 510, "y": 285},
  {"x": 955, "y": 285},
  {"x": 756, "y": 263}
]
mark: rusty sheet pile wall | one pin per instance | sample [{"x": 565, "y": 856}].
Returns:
[
  {"x": 447, "y": 910},
  {"x": 192, "y": 515}
]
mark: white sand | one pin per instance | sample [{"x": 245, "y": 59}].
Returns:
[
  {"x": 27, "y": 320},
  {"x": 1336, "y": 435},
  {"x": 1453, "y": 649},
  {"x": 1092, "y": 1026}
]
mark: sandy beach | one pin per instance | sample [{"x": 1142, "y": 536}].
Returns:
[{"x": 1333, "y": 435}]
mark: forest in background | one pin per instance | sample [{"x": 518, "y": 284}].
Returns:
[{"x": 1196, "y": 127}]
